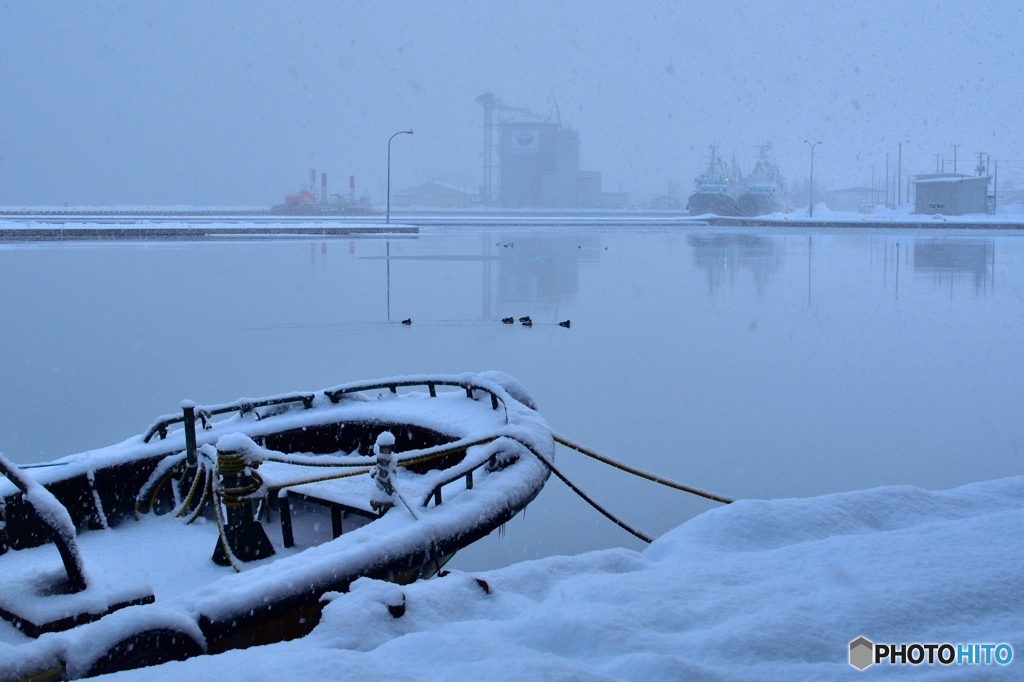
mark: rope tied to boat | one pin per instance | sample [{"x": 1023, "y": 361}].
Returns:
[
  {"x": 236, "y": 464},
  {"x": 562, "y": 440},
  {"x": 231, "y": 463},
  {"x": 636, "y": 532}
]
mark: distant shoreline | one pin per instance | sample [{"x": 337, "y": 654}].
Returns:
[{"x": 46, "y": 224}]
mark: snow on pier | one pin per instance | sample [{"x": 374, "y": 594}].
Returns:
[{"x": 755, "y": 590}]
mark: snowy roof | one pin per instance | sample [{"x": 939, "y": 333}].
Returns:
[
  {"x": 947, "y": 178},
  {"x": 435, "y": 184}
]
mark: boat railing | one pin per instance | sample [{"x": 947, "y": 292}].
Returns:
[
  {"x": 466, "y": 469},
  {"x": 335, "y": 395},
  {"x": 206, "y": 412}
]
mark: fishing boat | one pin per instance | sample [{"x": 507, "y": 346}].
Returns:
[
  {"x": 764, "y": 187},
  {"x": 715, "y": 189},
  {"x": 227, "y": 526}
]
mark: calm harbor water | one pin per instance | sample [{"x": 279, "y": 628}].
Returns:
[{"x": 752, "y": 363}]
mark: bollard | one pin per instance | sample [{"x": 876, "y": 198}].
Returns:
[
  {"x": 382, "y": 497},
  {"x": 188, "y": 408},
  {"x": 245, "y": 535},
  {"x": 188, "y": 477}
]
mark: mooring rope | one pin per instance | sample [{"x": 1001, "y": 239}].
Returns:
[
  {"x": 209, "y": 488},
  {"x": 586, "y": 498},
  {"x": 223, "y": 539},
  {"x": 638, "y": 472}
]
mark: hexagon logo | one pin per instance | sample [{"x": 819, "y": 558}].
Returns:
[{"x": 862, "y": 653}]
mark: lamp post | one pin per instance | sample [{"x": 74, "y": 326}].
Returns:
[
  {"x": 899, "y": 176},
  {"x": 810, "y": 207},
  {"x": 400, "y": 132}
]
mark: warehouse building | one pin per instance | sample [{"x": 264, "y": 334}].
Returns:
[
  {"x": 951, "y": 194},
  {"x": 435, "y": 194}
]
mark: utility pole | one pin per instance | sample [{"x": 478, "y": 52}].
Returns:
[
  {"x": 954, "y": 158},
  {"x": 810, "y": 207},
  {"x": 887, "y": 180},
  {"x": 872, "y": 185},
  {"x": 995, "y": 186},
  {"x": 936, "y": 163}
]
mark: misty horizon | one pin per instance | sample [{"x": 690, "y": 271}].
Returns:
[{"x": 233, "y": 104}]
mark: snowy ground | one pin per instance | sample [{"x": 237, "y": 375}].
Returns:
[
  {"x": 753, "y": 591},
  {"x": 1009, "y": 214}
]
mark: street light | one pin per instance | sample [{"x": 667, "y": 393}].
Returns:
[
  {"x": 810, "y": 207},
  {"x": 400, "y": 132}
]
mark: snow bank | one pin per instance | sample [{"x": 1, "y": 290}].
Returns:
[{"x": 755, "y": 590}]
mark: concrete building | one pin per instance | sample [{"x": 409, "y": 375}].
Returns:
[
  {"x": 540, "y": 164},
  {"x": 588, "y": 189},
  {"x": 435, "y": 194},
  {"x": 851, "y": 199},
  {"x": 540, "y": 168},
  {"x": 951, "y": 194}
]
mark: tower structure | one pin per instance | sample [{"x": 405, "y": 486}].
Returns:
[{"x": 495, "y": 113}]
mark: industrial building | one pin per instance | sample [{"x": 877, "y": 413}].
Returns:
[
  {"x": 540, "y": 164},
  {"x": 851, "y": 199},
  {"x": 537, "y": 164},
  {"x": 435, "y": 194},
  {"x": 951, "y": 194}
]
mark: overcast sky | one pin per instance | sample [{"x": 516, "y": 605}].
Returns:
[{"x": 232, "y": 103}]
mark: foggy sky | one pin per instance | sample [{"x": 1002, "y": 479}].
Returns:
[{"x": 232, "y": 103}]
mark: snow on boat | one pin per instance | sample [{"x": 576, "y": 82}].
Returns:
[{"x": 184, "y": 540}]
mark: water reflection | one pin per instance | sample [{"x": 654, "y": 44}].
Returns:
[
  {"x": 951, "y": 261},
  {"x": 518, "y": 274},
  {"x": 721, "y": 256},
  {"x": 540, "y": 273}
]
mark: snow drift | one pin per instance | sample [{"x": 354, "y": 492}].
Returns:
[{"x": 755, "y": 590}]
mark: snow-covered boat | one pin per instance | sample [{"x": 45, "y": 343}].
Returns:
[{"x": 224, "y": 526}]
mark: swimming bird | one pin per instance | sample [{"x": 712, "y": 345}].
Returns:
[
  {"x": 565, "y": 323},
  {"x": 508, "y": 320},
  {"x": 526, "y": 320},
  {"x": 407, "y": 321}
]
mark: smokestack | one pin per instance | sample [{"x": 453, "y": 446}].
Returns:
[
  {"x": 312, "y": 179},
  {"x": 352, "y": 188},
  {"x": 323, "y": 188}
]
